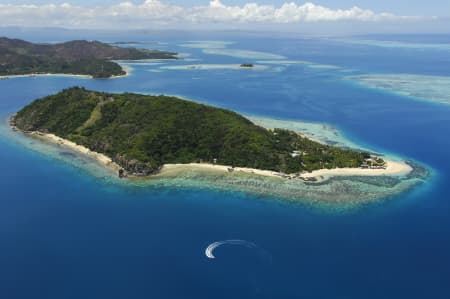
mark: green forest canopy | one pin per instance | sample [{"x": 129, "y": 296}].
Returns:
[
  {"x": 143, "y": 132},
  {"x": 18, "y": 57}
]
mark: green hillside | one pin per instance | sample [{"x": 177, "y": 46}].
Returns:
[
  {"x": 18, "y": 57},
  {"x": 142, "y": 132}
]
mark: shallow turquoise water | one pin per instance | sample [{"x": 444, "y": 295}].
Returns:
[{"x": 68, "y": 234}]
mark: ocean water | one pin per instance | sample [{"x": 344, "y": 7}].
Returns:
[{"x": 66, "y": 232}]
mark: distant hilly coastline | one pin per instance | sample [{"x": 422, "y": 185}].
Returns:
[{"x": 79, "y": 57}]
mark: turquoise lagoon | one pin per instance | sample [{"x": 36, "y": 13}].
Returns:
[{"x": 70, "y": 229}]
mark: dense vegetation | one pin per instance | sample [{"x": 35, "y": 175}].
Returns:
[
  {"x": 18, "y": 57},
  {"x": 142, "y": 132}
]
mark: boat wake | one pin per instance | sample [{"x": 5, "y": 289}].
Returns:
[{"x": 210, "y": 249}]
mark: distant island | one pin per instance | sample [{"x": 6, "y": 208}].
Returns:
[
  {"x": 139, "y": 134},
  {"x": 247, "y": 65},
  {"x": 80, "y": 57}
]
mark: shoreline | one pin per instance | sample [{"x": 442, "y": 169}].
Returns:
[
  {"x": 56, "y": 140},
  {"x": 100, "y": 158},
  {"x": 4, "y": 77},
  {"x": 127, "y": 71},
  {"x": 332, "y": 192},
  {"x": 393, "y": 168}
]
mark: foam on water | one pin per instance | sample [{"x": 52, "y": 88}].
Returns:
[
  {"x": 334, "y": 194},
  {"x": 67, "y": 221},
  {"x": 209, "y": 251},
  {"x": 429, "y": 88}
]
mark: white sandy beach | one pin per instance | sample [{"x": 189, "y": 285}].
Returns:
[
  {"x": 46, "y": 75},
  {"x": 394, "y": 168},
  {"x": 103, "y": 159},
  {"x": 173, "y": 168},
  {"x": 127, "y": 70}
]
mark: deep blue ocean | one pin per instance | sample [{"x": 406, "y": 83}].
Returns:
[{"x": 67, "y": 234}]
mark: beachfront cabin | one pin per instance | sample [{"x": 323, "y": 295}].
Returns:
[{"x": 374, "y": 163}]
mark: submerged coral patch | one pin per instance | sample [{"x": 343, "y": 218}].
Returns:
[{"x": 429, "y": 88}]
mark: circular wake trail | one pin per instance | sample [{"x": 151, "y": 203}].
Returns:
[{"x": 209, "y": 251}]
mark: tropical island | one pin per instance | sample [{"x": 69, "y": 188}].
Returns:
[
  {"x": 249, "y": 65},
  {"x": 141, "y": 134},
  {"x": 80, "y": 57}
]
